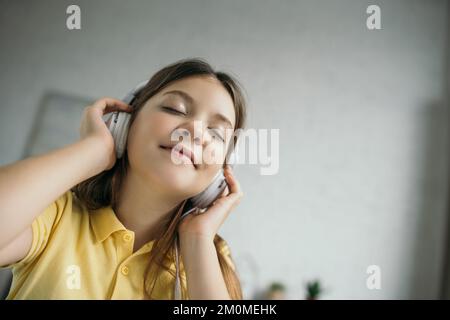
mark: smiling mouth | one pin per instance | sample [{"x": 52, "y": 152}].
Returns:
[{"x": 179, "y": 153}]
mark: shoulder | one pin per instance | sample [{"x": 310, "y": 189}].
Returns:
[
  {"x": 59, "y": 208},
  {"x": 65, "y": 213}
]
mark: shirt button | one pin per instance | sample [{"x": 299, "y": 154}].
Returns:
[
  {"x": 125, "y": 270},
  {"x": 126, "y": 237}
]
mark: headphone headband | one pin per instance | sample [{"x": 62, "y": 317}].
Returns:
[{"x": 130, "y": 96}]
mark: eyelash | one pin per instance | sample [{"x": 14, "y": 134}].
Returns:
[
  {"x": 220, "y": 137},
  {"x": 172, "y": 110}
]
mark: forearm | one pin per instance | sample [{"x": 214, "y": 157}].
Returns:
[
  {"x": 28, "y": 186},
  {"x": 204, "y": 276}
]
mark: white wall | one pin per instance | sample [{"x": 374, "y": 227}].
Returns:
[{"x": 362, "y": 118}]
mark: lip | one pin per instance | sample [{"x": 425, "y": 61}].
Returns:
[{"x": 186, "y": 152}]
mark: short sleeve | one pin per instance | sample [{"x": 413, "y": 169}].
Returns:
[{"x": 44, "y": 225}]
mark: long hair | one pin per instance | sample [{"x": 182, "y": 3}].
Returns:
[{"x": 103, "y": 189}]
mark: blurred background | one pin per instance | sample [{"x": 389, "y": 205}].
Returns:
[{"x": 363, "y": 118}]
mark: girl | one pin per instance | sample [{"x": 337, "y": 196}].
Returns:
[{"x": 112, "y": 231}]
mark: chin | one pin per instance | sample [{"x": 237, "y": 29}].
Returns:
[
  {"x": 174, "y": 178},
  {"x": 160, "y": 170}
]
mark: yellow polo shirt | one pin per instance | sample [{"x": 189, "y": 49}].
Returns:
[{"x": 77, "y": 254}]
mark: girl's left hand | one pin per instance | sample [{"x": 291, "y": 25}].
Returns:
[{"x": 207, "y": 223}]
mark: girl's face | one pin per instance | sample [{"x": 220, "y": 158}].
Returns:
[{"x": 176, "y": 109}]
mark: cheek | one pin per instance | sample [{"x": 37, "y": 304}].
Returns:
[
  {"x": 154, "y": 127},
  {"x": 147, "y": 133},
  {"x": 160, "y": 125},
  {"x": 214, "y": 155},
  {"x": 210, "y": 172}
]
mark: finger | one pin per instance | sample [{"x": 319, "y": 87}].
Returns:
[
  {"x": 233, "y": 184},
  {"x": 110, "y": 104},
  {"x": 225, "y": 192},
  {"x": 236, "y": 194},
  {"x": 228, "y": 202}
]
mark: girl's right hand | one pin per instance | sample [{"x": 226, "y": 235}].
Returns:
[{"x": 93, "y": 126}]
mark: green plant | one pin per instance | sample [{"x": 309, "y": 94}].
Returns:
[
  {"x": 276, "y": 291},
  {"x": 277, "y": 286},
  {"x": 314, "y": 289}
]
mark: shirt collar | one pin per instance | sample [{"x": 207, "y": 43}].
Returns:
[{"x": 104, "y": 223}]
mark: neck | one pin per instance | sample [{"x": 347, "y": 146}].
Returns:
[{"x": 144, "y": 209}]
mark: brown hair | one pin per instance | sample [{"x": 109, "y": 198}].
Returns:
[{"x": 103, "y": 189}]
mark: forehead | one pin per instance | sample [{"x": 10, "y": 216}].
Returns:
[{"x": 205, "y": 93}]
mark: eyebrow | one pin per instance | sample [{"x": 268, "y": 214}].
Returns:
[{"x": 190, "y": 100}]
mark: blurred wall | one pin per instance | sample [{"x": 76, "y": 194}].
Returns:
[
  {"x": 445, "y": 292},
  {"x": 362, "y": 116}
]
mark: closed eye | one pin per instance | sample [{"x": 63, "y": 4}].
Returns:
[
  {"x": 172, "y": 110},
  {"x": 217, "y": 134}
]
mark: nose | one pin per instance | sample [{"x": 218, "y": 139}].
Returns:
[
  {"x": 198, "y": 132},
  {"x": 197, "y": 140}
]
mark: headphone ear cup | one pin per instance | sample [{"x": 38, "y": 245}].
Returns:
[
  {"x": 205, "y": 198},
  {"x": 118, "y": 124},
  {"x": 232, "y": 158}
]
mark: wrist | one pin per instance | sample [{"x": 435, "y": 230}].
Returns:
[
  {"x": 195, "y": 239},
  {"x": 97, "y": 153}
]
